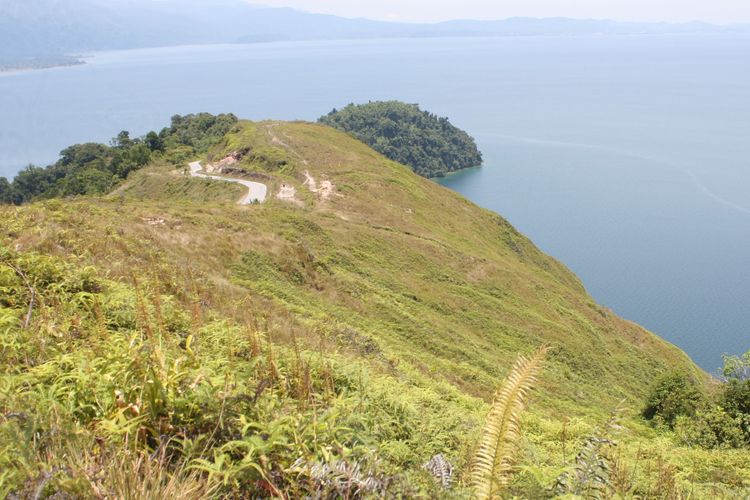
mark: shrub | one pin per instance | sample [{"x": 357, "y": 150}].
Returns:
[
  {"x": 710, "y": 428},
  {"x": 673, "y": 395}
]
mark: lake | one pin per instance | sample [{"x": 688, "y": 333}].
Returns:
[{"x": 627, "y": 158}]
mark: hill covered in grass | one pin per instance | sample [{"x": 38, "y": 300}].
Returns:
[
  {"x": 164, "y": 340},
  {"x": 430, "y": 145}
]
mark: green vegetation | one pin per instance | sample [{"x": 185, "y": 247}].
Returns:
[
  {"x": 718, "y": 421},
  {"x": 174, "y": 343},
  {"x": 711, "y": 427},
  {"x": 674, "y": 395},
  {"x": 735, "y": 399},
  {"x": 91, "y": 169},
  {"x": 430, "y": 145}
]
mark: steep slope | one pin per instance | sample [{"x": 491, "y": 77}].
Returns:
[
  {"x": 390, "y": 300},
  {"x": 453, "y": 282}
]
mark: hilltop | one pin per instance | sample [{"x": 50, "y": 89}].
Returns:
[{"x": 358, "y": 321}]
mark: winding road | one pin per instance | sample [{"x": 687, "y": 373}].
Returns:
[{"x": 256, "y": 190}]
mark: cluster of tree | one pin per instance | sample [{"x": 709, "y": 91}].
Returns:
[
  {"x": 430, "y": 145},
  {"x": 721, "y": 420},
  {"x": 92, "y": 168}
]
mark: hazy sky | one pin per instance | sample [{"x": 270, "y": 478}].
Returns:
[{"x": 717, "y": 11}]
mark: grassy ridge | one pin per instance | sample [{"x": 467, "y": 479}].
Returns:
[
  {"x": 439, "y": 269},
  {"x": 371, "y": 328}
]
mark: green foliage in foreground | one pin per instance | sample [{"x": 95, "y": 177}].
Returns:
[
  {"x": 90, "y": 169},
  {"x": 105, "y": 368},
  {"x": 116, "y": 389},
  {"x": 430, "y": 145}
]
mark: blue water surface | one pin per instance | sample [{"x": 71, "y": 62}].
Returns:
[{"x": 625, "y": 157}]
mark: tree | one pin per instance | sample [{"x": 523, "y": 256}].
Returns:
[
  {"x": 737, "y": 367},
  {"x": 200, "y": 131},
  {"x": 5, "y": 191},
  {"x": 154, "y": 142},
  {"x": 30, "y": 182},
  {"x": 83, "y": 154},
  {"x": 122, "y": 140}
]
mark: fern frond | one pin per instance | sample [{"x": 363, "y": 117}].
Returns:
[{"x": 497, "y": 444}]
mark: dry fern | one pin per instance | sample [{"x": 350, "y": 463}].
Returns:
[
  {"x": 441, "y": 469},
  {"x": 497, "y": 444}
]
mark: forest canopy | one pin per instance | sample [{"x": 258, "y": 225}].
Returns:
[
  {"x": 402, "y": 132},
  {"x": 91, "y": 168}
]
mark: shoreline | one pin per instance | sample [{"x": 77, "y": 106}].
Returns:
[
  {"x": 454, "y": 173},
  {"x": 81, "y": 60},
  {"x": 10, "y": 70}
]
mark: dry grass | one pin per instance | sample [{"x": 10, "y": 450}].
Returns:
[
  {"x": 498, "y": 441},
  {"x": 136, "y": 475}
]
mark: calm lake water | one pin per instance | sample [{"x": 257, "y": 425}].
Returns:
[{"x": 627, "y": 158}]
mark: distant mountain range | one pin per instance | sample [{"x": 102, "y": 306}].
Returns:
[{"x": 33, "y": 32}]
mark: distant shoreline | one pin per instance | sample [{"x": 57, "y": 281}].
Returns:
[
  {"x": 10, "y": 68},
  {"x": 78, "y": 60}
]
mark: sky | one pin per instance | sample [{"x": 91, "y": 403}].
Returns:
[{"x": 715, "y": 11}]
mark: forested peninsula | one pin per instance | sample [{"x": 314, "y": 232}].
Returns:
[{"x": 402, "y": 132}]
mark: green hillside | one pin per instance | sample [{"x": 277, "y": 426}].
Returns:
[{"x": 164, "y": 340}]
